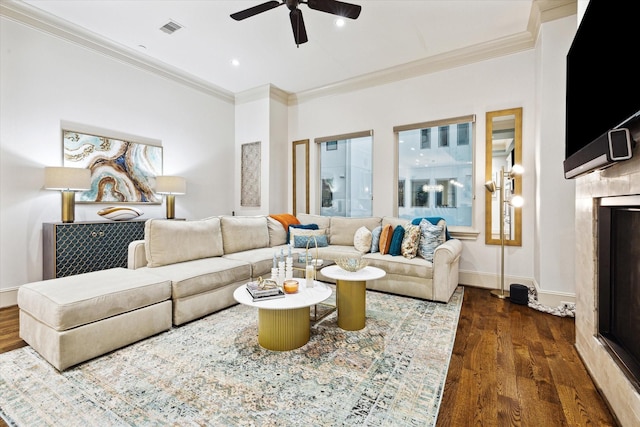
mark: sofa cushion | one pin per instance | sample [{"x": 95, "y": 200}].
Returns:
[
  {"x": 385, "y": 239},
  {"x": 401, "y": 266},
  {"x": 240, "y": 233},
  {"x": 411, "y": 241},
  {"x": 362, "y": 239},
  {"x": 261, "y": 259},
  {"x": 68, "y": 302},
  {"x": 343, "y": 230},
  {"x": 277, "y": 233},
  {"x": 394, "y": 221},
  {"x": 395, "y": 248},
  {"x": 203, "y": 275},
  {"x": 375, "y": 239},
  {"x": 322, "y": 221},
  {"x": 431, "y": 236},
  {"x": 169, "y": 242}
]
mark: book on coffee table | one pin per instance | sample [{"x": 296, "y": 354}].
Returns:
[{"x": 261, "y": 295}]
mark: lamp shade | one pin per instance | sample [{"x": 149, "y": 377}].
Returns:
[
  {"x": 171, "y": 185},
  {"x": 490, "y": 186},
  {"x": 67, "y": 179}
]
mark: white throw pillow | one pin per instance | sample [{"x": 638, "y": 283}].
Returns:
[{"x": 362, "y": 239}]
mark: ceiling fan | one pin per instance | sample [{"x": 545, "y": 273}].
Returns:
[{"x": 335, "y": 7}]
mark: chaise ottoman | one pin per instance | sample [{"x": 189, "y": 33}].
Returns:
[{"x": 76, "y": 318}]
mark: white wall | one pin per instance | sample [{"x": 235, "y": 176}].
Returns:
[
  {"x": 44, "y": 81},
  {"x": 501, "y": 83},
  {"x": 261, "y": 115},
  {"x": 555, "y": 196}
]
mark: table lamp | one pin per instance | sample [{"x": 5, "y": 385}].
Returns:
[
  {"x": 67, "y": 181},
  {"x": 170, "y": 186}
]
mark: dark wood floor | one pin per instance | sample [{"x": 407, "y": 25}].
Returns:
[{"x": 511, "y": 366}]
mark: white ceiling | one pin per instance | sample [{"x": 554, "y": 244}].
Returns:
[{"x": 387, "y": 34}]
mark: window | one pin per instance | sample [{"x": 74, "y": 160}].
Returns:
[
  {"x": 439, "y": 180},
  {"x": 419, "y": 193},
  {"x": 425, "y": 139},
  {"x": 345, "y": 174},
  {"x": 463, "y": 133},
  {"x": 443, "y": 136}
]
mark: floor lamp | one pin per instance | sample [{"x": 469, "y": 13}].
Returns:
[{"x": 515, "y": 201}]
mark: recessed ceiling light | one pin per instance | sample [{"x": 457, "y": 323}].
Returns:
[
  {"x": 340, "y": 22},
  {"x": 235, "y": 62}
]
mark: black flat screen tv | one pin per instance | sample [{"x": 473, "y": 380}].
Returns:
[{"x": 603, "y": 87}]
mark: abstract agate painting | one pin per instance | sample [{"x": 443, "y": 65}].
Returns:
[{"x": 121, "y": 171}]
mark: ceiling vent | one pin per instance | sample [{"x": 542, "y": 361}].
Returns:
[{"x": 171, "y": 27}]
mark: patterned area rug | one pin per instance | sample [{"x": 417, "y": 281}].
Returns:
[{"x": 212, "y": 372}]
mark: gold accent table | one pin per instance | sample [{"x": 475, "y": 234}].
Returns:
[
  {"x": 351, "y": 294},
  {"x": 284, "y": 323}
]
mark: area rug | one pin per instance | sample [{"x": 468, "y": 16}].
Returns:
[{"x": 212, "y": 372}]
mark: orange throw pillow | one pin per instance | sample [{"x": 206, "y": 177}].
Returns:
[
  {"x": 285, "y": 219},
  {"x": 385, "y": 239}
]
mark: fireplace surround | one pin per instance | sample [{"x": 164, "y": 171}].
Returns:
[
  {"x": 622, "y": 179},
  {"x": 618, "y": 295}
]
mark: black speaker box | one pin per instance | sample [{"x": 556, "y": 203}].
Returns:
[{"x": 519, "y": 294}]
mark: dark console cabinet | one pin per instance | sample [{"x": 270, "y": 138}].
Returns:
[{"x": 80, "y": 247}]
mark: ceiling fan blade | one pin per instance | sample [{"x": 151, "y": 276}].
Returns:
[
  {"x": 247, "y": 13},
  {"x": 297, "y": 24},
  {"x": 336, "y": 7}
]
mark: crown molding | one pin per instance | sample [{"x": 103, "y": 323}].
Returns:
[
  {"x": 457, "y": 58},
  {"x": 549, "y": 10},
  {"x": 541, "y": 11},
  {"x": 26, "y": 14},
  {"x": 269, "y": 91}
]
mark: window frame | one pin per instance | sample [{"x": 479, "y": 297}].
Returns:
[
  {"x": 465, "y": 200},
  {"x": 337, "y": 138}
]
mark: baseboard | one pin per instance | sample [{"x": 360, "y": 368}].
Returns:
[
  {"x": 492, "y": 281},
  {"x": 8, "y": 297}
]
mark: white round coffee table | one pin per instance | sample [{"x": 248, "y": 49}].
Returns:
[
  {"x": 284, "y": 323},
  {"x": 351, "y": 294}
]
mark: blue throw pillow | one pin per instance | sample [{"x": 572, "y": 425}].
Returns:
[
  {"x": 303, "y": 226},
  {"x": 396, "y": 241},
  {"x": 301, "y": 241},
  {"x": 375, "y": 239},
  {"x": 433, "y": 220}
]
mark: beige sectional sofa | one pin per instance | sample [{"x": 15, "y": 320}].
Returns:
[
  {"x": 205, "y": 260},
  {"x": 184, "y": 270}
]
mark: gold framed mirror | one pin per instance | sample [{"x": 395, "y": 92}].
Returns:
[
  {"x": 300, "y": 176},
  {"x": 503, "y": 151}
]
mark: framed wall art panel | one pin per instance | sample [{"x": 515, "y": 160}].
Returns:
[
  {"x": 250, "y": 175},
  {"x": 121, "y": 171}
]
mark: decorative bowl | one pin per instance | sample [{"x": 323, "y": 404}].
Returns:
[
  {"x": 351, "y": 264},
  {"x": 290, "y": 286},
  {"x": 120, "y": 213}
]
